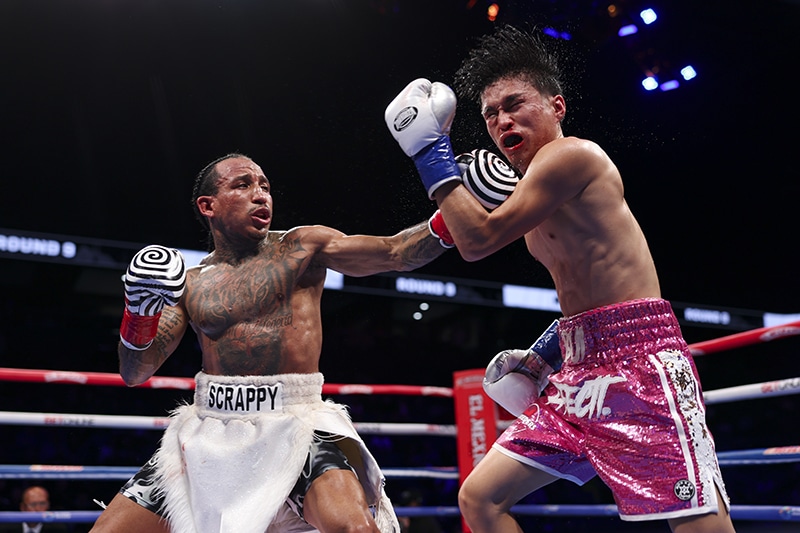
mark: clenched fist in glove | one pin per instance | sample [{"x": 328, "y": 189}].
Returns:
[
  {"x": 419, "y": 119},
  {"x": 515, "y": 378},
  {"x": 155, "y": 277},
  {"x": 487, "y": 177}
]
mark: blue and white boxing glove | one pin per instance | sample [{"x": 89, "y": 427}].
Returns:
[
  {"x": 515, "y": 378},
  {"x": 419, "y": 119}
]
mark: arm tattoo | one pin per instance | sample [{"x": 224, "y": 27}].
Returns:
[{"x": 419, "y": 246}]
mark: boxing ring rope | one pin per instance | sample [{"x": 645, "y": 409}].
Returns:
[
  {"x": 741, "y": 392},
  {"x": 154, "y": 422},
  {"x": 784, "y": 454},
  {"x": 746, "y": 338},
  {"x": 155, "y": 382},
  {"x": 767, "y": 513}
]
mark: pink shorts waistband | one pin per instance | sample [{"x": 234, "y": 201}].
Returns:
[{"x": 620, "y": 330}]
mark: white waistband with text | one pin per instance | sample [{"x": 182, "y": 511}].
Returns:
[{"x": 245, "y": 398}]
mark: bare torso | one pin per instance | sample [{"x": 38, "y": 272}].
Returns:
[
  {"x": 254, "y": 303},
  {"x": 259, "y": 316},
  {"x": 593, "y": 246}
]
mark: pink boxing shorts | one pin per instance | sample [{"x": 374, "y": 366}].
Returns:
[{"x": 626, "y": 406}]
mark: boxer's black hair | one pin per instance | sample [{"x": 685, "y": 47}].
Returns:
[
  {"x": 205, "y": 184},
  {"x": 508, "y": 52}
]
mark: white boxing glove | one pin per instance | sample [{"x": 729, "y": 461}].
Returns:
[
  {"x": 515, "y": 378},
  {"x": 420, "y": 114},
  {"x": 419, "y": 119}
]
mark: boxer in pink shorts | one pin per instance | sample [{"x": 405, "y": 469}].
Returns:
[{"x": 625, "y": 405}]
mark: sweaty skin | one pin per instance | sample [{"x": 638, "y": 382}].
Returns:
[
  {"x": 570, "y": 208},
  {"x": 254, "y": 302},
  {"x": 569, "y": 205}
]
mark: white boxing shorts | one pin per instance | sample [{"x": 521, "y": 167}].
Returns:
[{"x": 232, "y": 461}]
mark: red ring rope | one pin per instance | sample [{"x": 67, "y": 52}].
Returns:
[
  {"x": 737, "y": 340},
  {"x": 746, "y": 338},
  {"x": 156, "y": 382}
]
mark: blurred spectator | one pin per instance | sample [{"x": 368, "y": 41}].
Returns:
[
  {"x": 416, "y": 524},
  {"x": 34, "y": 499}
]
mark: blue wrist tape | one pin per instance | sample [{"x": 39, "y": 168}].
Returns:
[
  {"x": 548, "y": 347},
  {"x": 437, "y": 165}
]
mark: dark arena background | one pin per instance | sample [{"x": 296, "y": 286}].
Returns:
[{"x": 108, "y": 108}]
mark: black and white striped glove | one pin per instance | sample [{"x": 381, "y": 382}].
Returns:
[
  {"x": 156, "y": 277},
  {"x": 487, "y": 177}
]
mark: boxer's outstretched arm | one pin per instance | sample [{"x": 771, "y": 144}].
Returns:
[{"x": 364, "y": 255}]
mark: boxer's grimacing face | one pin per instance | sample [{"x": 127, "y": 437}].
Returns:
[{"x": 520, "y": 119}]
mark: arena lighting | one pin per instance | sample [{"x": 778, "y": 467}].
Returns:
[
  {"x": 650, "y": 83},
  {"x": 492, "y": 12},
  {"x": 552, "y": 32},
  {"x": 530, "y": 298},
  {"x": 777, "y": 319},
  {"x": 192, "y": 257},
  {"x": 334, "y": 280},
  {"x": 669, "y": 85},
  {"x": 649, "y": 59},
  {"x": 648, "y": 16},
  {"x": 688, "y": 72}
]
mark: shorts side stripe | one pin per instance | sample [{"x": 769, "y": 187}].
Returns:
[{"x": 686, "y": 448}]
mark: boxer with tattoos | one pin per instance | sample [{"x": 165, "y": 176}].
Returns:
[{"x": 258, "y": 450}]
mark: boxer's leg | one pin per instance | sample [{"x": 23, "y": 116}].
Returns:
[
  {"x": 496, "y": 484},
  {"x": 123, "y": 515}
]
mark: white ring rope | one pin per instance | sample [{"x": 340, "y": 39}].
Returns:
[
  {"x": 125, "y": 472},
  {"x": 153, "y": 422},
  {"x": 741, "y": 392},
  {"x": 784, "y": 454},
  {"x": 766, "y": 389}
]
